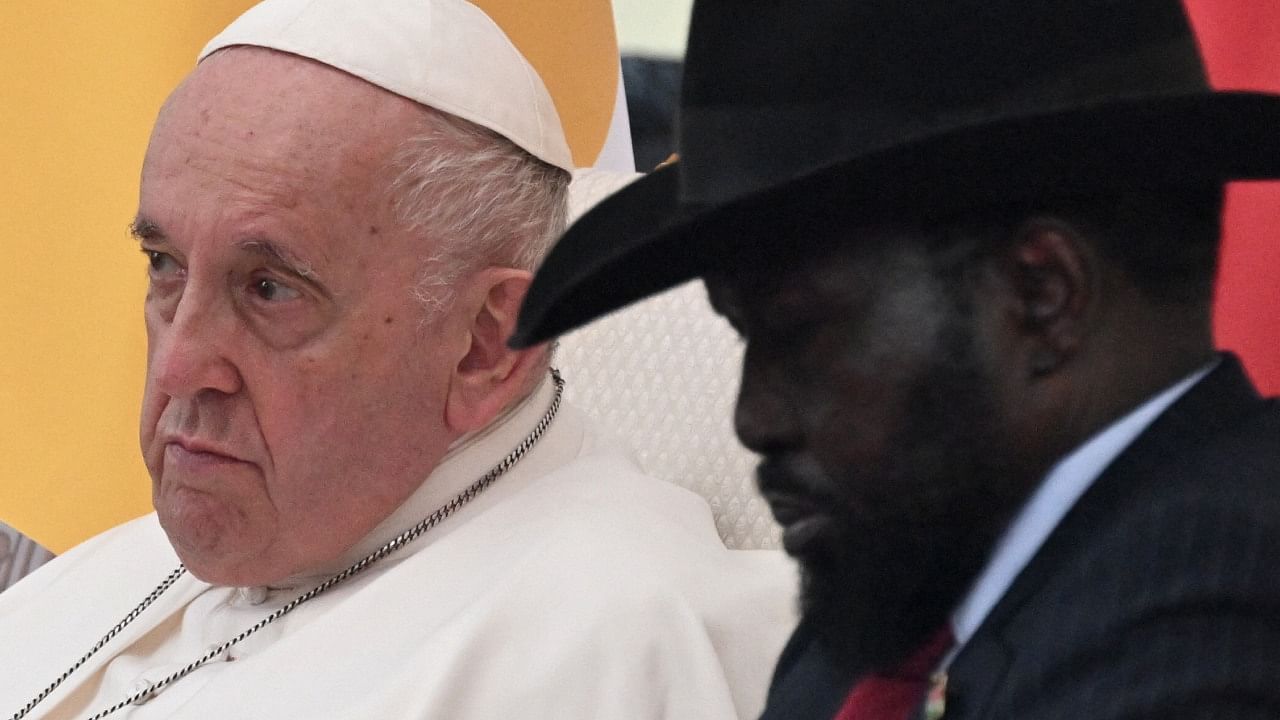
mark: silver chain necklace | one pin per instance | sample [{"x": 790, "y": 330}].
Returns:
[{"x": 391, "y": 546}]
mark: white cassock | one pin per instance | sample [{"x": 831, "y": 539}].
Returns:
[{"x": 573, "y": 588}]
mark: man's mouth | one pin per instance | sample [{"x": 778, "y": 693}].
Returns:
[
  {"x": 804, "y": 515},
  {"x": 803, "y": 522},
  {"x": 193, "y": 455}
]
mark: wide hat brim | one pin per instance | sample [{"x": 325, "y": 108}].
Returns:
[{"x": 642, "y": 240}]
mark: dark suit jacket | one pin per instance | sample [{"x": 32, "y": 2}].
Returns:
[{"x": 1158, "y": 596}]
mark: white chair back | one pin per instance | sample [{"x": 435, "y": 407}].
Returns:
[{"x": 663, "y": 374}]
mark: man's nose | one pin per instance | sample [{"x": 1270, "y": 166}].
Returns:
[
  {"x": 191, "y": 350},
  {"x": 766, "y": 418}
]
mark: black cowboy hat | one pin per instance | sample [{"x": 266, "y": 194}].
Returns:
[{"x": 792, "y": 107}]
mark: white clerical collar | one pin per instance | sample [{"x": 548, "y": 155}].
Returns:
[
  {"x": 468, "y": 458},
  {"x": 1065, "y": 483}
]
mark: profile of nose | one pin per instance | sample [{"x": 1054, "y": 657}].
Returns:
[
  {"x": 765, "y": 419},
  {"x": 190, "y": 352}
]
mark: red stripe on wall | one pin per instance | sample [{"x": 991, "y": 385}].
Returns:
[{"x": 1240, "y": 41}]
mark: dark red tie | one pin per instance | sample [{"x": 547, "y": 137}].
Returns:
[{"x": 895, "y": 695}]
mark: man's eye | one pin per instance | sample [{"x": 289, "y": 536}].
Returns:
[
  {"x": 160, "y": 262},
  {"x": 272, "y": 291}
]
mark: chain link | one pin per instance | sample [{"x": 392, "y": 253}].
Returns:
[{"x": 399, "y": 541}]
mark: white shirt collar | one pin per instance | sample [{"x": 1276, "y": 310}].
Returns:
[{"x": 1065, "y": 483}]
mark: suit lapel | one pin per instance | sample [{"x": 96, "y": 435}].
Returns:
[
  {"x": 1223, "y": 396},
  {"x": 805, "y": 685},
  {"x": 976, "y": 674}
]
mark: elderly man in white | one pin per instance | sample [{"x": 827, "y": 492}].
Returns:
[{"x": 367, "y": 506}]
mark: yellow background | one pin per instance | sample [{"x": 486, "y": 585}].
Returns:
[
  {"x": 572, "y": 45},
  {"x": 80, "y": 84}
]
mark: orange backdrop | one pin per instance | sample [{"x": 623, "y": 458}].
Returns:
[{"x": 80, "y": 84}]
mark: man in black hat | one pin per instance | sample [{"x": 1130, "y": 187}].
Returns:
[{"x": 970, "y": 246}]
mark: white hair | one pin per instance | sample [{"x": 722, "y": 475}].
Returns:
[{"x": 479, "y": 198}]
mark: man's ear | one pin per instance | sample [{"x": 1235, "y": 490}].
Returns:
[
  {"x": 490, "y": 375},
  {"x": 1054, "y": 274}
]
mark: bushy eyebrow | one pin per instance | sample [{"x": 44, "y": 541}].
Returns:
[
  {"x": 280, "y": 256},
  {"x": 143, "y": 229}
]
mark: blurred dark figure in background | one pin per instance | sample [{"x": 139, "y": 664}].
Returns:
[{"x": 653, "y": 88}]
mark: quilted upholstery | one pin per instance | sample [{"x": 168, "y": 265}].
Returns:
[{"x": 663, "y": 374}]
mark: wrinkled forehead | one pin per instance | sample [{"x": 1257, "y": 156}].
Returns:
[
  {"x": 268, "y": 104},
  {"x": 261, "y": 148}
]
